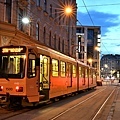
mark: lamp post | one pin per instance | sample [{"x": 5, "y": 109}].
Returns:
[
  {"x": 97, "y": 48},
  {"x": 68, "y": 11},
  {"x": 106, "y": 71}
]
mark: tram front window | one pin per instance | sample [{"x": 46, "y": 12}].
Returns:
[{"x": 12, "y": 66}]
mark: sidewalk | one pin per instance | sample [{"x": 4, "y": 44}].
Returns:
[
  {"x": 116, "y": 112},
  {"x": 109, "y": 82}
]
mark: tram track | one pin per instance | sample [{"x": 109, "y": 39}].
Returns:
[
  {"x": 54, "y": 118},
  {"x": 48, "y": 113},
  {"x": 102, "y": 106}
]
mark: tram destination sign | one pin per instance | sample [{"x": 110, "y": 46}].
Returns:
[{"x": 13, "y": 49}]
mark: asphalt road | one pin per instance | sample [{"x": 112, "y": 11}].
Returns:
[{"x": 91, "y": 105}]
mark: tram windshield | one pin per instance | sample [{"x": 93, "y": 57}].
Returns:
[{"x": 12, "y": 63}]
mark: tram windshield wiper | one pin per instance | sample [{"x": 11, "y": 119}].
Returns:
[{"x": 4, "y": 75}]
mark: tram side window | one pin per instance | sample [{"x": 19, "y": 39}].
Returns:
[
  {"x": 45, "y": 67},
  {"x": 74, "y": 71},
  {"x": 31, "y": 66},
  {"x": 94, "y": 75},
  {"x": 68, "y": 70},
  {"x": 63, "y": 68},
  {"x": 91, "y": 75},
  {"x": 83, "y": 75},
  {"x": 80, "y": 72},
  {"x": 54, "y": 67},
  {"x": 86, "y": 73}
]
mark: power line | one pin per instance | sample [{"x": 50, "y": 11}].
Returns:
[
  {"x": 88, "y": 12},
  {"x": 92, "y": 21},
  {"x": 101, "y": 5},
  {"x": 110, "y": 39},
  {"x": 105, "y": 48}
]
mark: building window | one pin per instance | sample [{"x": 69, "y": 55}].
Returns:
[
  {"x": 50, "y": 38},
  {"x": 55, "y": 15},
  {"x": 8, "y": 11},
  {"x": 37, "y": 31},
  {"x": 59, "y": 44},
  {"x": 50, "y": 10},
  {"x": 90, "y": 38},
  {"x": 90, "y": 34},
  {"x": 44, "y": 34},
  {"x": 55, "y": 41},
  {"x": 38, "y": 3},
  {"x": 80, "y": 30},
  {"x": 63, "y": 19},
  {"x": 20, "y": 15},
  {"x": 45, "y": 5},
  {"x": 63, "y": 46},
  {"x": 59, "y": 19}
]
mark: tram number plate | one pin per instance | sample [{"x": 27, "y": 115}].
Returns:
[{"x": 9, "y": 89}]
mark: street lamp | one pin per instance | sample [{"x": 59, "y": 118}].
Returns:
[
  {"x": 25, "y": 20},
  {"x": 68, "y": 12}
]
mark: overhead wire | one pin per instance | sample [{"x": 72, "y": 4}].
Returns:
[
  {"x": 88, "y": 12},
  {"x": 101, "y": 5},
  {"x": 91, "y": 18}
]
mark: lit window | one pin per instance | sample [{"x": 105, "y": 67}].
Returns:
[
  {"x": 45, "y": 67},
  {"x": 63, "y": 68},
  {"x": 54, "y": 67},
  {"x": 68, "y": 70},
  {"x": 31, "y": 66},
  {"x": 74, "y": 71},
  {"x": 86, "y": 73},
  {"x": 80, "y": 72}
]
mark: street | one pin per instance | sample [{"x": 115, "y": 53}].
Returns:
[{"x": 91, "y": 105}]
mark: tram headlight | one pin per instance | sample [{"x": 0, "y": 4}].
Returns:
[
  {"x": 19, "y": 89},
  {"x": 1, "y": 88}
]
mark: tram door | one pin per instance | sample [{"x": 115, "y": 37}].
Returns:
[
  {"x": 69, "y": 75},
  {"x": 44, "y": 76}
]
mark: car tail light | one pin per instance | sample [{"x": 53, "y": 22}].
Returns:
[
  {"x": 1, "y": 88},
  {"x": 19, "y": 89}
]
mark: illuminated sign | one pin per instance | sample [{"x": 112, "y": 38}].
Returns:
[{"x": 6, "y": 50}]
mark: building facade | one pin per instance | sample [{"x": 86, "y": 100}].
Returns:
[
  {"x": 88, "y": 42},
  {"x": 48, "y": 23},
  {"x": 110, "y": 64}
]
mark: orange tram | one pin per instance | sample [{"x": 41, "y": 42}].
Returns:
[{"x": 30, "y": 74}]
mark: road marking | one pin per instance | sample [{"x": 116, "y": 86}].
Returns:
[
  {"x": 103, "y": 105},
  {"x": 75, "y": 106}
]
